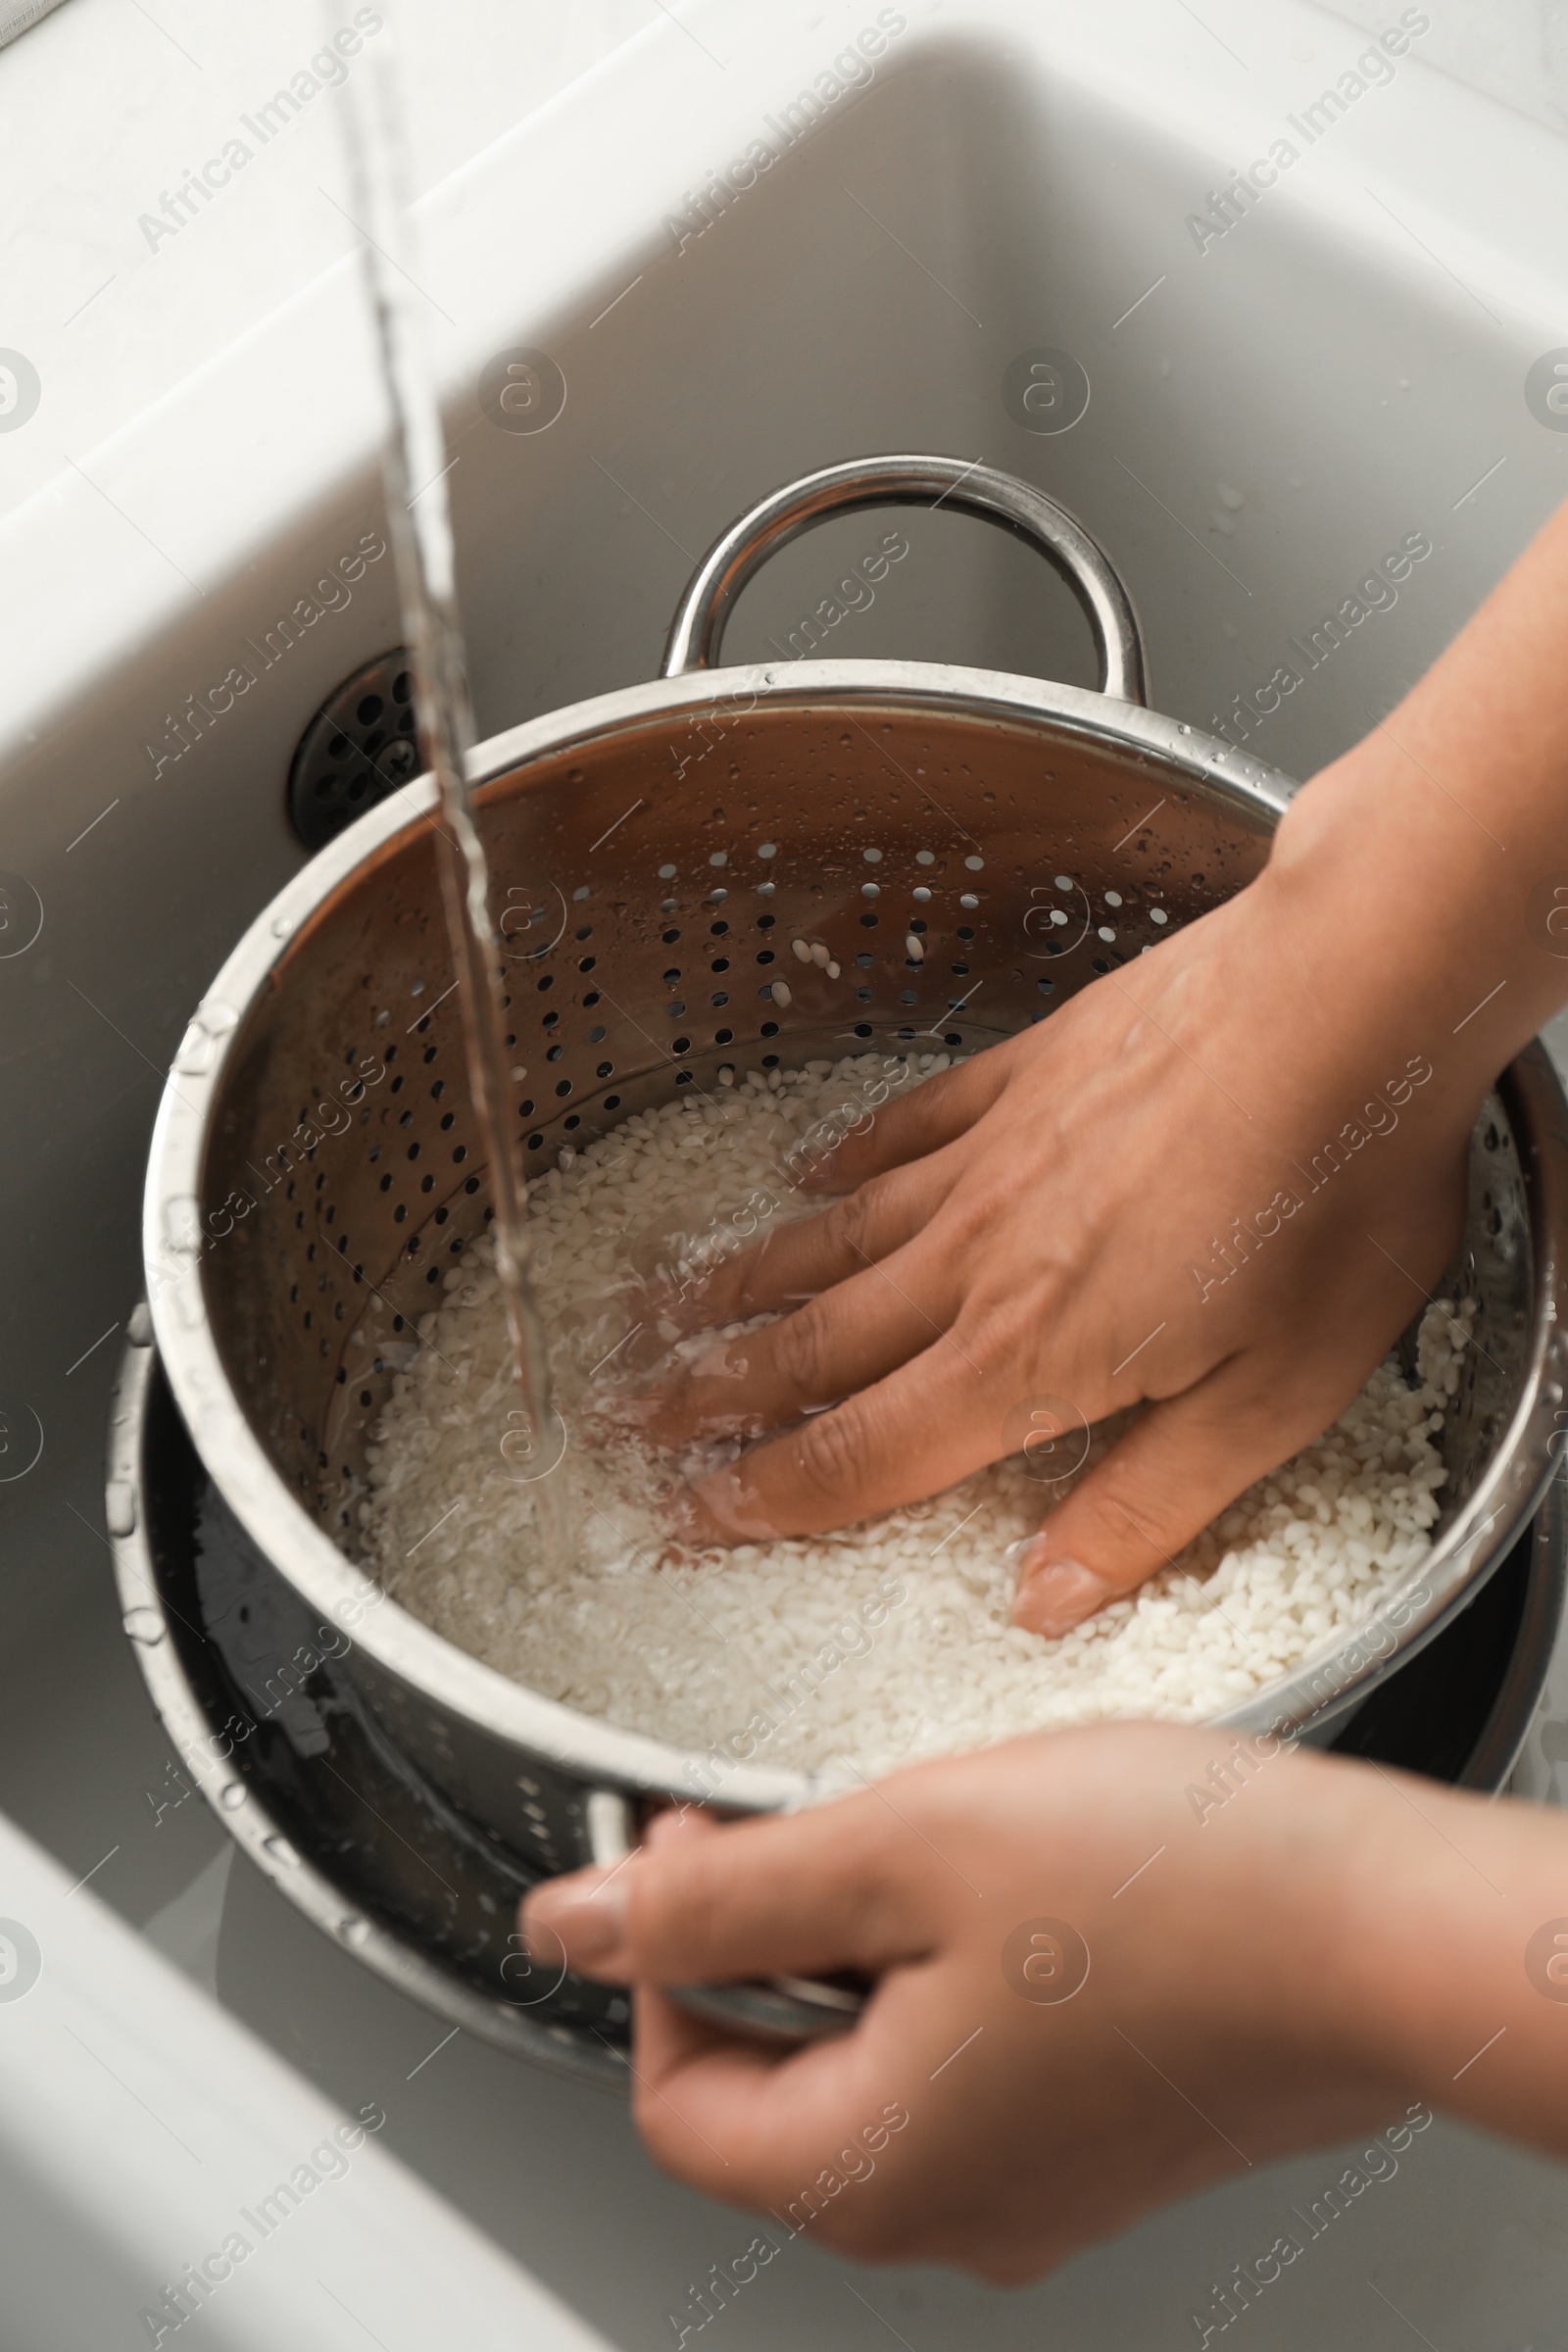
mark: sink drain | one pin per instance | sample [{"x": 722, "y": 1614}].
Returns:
[{"x": 358, "y": 748}]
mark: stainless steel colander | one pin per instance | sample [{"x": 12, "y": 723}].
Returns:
[{"x": 316, "y": 1166}]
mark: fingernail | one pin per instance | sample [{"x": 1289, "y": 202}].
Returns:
[
  {"x": 1057, "y": 1595},
  {"x": 692, "y": 1525},
  {"x": 587, "y": 1912},
  {"x": 726, "y": 1505}
]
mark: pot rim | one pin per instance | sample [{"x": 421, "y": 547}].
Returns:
[{"x": 597, "y": 1751}]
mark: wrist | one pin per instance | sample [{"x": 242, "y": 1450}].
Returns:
[
  {"x": 1382, "y": 1998},
  {"x": 1444, "y": 1929},
  {"x": 1348, "y": 1836},
  {"x": 1410, "y": 939}
]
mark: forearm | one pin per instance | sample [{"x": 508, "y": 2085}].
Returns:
[
  {"x": 1414, "y": 876},
  {"x": 1447, "y": 1978}
]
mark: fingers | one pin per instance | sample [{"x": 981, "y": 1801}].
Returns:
[
  {"x": 707, "y": 2104},
  {"x": 1176, "y": 1468},
  {"x": 782, "y": 2130},
  {"x": 930, "y": 1115},
  {"x": 703, "y": 1905},
  {"x": 848, "y": 1338},
  {"x": 796, "y": 1260},
  {"x": 926, "y": 1425},
  {"x": 744, "y": 2120}
]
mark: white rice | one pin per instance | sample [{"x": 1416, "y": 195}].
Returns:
[{"x": 857, "y": 1652}]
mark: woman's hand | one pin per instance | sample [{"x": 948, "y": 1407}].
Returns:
[
  {"x": 1281, "y": 1950},
  {"x": 1218, "y": 1181}
]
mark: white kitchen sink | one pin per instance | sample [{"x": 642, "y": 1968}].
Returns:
[{"x": 1278, "y": 404}]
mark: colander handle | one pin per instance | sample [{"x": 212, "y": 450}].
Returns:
[
  {"x": 785, "y": 2008},
  {"x": 912, "y": 481}
]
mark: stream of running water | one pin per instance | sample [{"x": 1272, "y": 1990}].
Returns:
[{"x": 414, "y": 466}]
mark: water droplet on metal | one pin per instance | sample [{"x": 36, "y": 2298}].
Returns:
[
  {"x": 195, "y": 1052},
  {"x": 231, "y": 1795},
  {"x": 182, "y": 1221},
  {"x": 145, "y": 1626}
]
